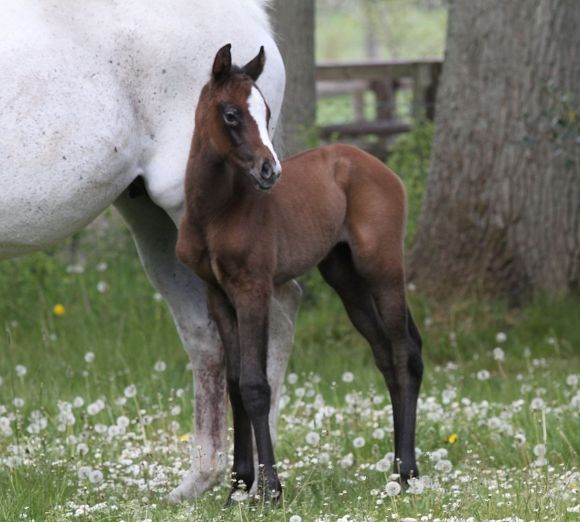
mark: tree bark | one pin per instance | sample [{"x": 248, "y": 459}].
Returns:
[
  {"x": 501, "y": 215},
  {"x": 293, "y": 22}
]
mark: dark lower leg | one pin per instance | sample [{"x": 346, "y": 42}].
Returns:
[
  {"x": 243, "y": 467},
  {"x": 224, "y": 315},
  {"x": 406, "y": 375},
  {"x": 252, "y": 317}
]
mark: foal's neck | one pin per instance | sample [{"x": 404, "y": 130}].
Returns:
[{"x": 216, "y": 183}]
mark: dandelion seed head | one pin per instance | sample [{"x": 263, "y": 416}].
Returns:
[
  {"x": 483, "y": 375},
  {"x": 392, "y": 489},
  {"x": 500, "y": 337},
  {"x": 95, "y": 476},
  {"x": 444, "y": 466},
  {"x": 416, "y": 486},
  {"x": 540, "y": 450},
  {"x": 130, "y": 391},
  {"x": 347, "y": 377},
  {"x": 89, "y": 357},
  {"x": 382, "y": 466},
  {"x": 312, "y": 438},
  {"x": 498, "y": 354},
  {"x": 358, "y": 442},
  {"x": 379, "y": 434},
  {"x": 160, "y": 366}
]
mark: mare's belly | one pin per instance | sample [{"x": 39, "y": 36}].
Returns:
[{"x": 68, "y": 143}]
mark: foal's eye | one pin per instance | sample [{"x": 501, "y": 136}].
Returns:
[{"x": 231, "y": 118}]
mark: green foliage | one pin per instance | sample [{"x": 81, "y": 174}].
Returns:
[
  {"x": 401, "y": 28},
  {"x": 410, "y": 159}
]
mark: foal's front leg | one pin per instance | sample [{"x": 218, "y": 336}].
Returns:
[
  {"x": 252, "y": 310},
  {"x": 224, "y": 315}
]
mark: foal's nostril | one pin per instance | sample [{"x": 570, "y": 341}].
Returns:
[{"x": 267, "y": 170}]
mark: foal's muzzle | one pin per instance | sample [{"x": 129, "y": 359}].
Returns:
[{"x": 267, "y": 176}]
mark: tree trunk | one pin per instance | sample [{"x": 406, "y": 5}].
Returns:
[
  {"x": 293, "y": 22},
  {"x": 501, "y": 215}
]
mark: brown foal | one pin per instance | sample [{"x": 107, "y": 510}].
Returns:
[{"x": 244, "y": 232}]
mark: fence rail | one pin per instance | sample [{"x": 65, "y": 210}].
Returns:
[{"x": 383, "y": 78}]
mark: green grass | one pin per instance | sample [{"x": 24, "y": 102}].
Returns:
[
  {"x": 495, "y": 472},
  {"x": 128, "y": 331}
]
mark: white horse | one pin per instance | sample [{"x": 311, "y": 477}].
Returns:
[{"x": 95, "y": 94}]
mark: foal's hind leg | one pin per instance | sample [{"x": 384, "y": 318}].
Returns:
[
  {"x": 388, "y": 292},
  {"x": 339, "y": 271}
]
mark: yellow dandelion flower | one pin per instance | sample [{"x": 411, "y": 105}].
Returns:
[
  {"x": 58, "y": 309},
  {"x": 184, "y": 437},
  {"x": 452, "y": 439}
]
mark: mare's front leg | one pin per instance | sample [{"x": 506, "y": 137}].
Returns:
[
  {"x": 155, "y": 235},
  {"x": 224, "y": 315},
  {"x": 252, "y": 303}
]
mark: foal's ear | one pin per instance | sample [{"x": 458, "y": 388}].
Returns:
[
  {"x": 222, "y": 64},
  {"x": 255, "y": 67}
]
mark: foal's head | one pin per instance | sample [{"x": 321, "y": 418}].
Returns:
[{"x": 234, "y": 117}]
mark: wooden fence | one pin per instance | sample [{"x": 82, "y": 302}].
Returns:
[{"x": 384, "y": 79}]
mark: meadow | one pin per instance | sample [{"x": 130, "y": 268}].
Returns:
[{"x": 96, "y": 400}]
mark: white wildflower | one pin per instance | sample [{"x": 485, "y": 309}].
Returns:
[
  {"x": 89, "y": 357},
  {"x": 500, "y": 337},
  {"x": 347, "y": 377},
  {"x": 75, "y": 269},
  {"x": 21, "y": 370},
  {"x": 347, "y": 461},
  {"x": 239, "y": 495},
  {"x": 102, "y": 287},
  {"x": 379, "y": 434},
  {"x": 382, "y": 466},
  {"x": 498, "y": 354},
  {"x": 160, "y": 366},
  {"x": 444, "y": 466},
  {"x": 416, "y": 486},
  {"x": 483, "y": 375},
  {"x": 312, "y": 438},
  {"x": 540, "y": 450},
  {"x": 130, "y": 391},
  {"x": 96, "y": 476},
  {"x": 392, "y": 489}
]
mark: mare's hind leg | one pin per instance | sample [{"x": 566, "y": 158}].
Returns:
[{"x": 339, "y": 271}]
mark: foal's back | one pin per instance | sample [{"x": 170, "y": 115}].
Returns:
[{"x": 332, "y": 194}]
